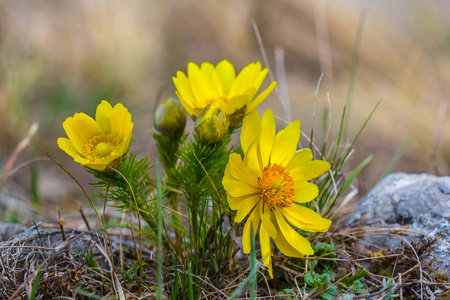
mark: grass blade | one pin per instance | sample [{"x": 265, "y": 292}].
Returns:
[
  {"x": 364, "y": 125},
  {"x": 253, "y": 266},
  {"x": 87, "y": 294},
  {"x": 335, "y": 149},
  {"x": 37, "y": 281},
  {"x": 355, "y": 173},
  {"x": 159, "y": 286},
  {"x": 252, "y": 276},
  {"x": 191, "y": 284},
  {"x": 35, "y": 196},
  {"x": 396, "y": 157},
  {"x": 358, "y": 275}
]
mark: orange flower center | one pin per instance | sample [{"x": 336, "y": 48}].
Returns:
[
  {"x": 101, "y": 146},
  {"x": 276, "y": 187},
  {"x": 221, "y": 99}
]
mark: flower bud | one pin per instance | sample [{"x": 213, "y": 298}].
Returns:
[
  {"x": 170, "y": 117},
  {"x": 212, "y": 123}
]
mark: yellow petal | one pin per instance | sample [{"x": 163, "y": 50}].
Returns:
[
  {"x": 96, "y": 166},
  {"x": 250, "y": 92},
  {"x": 300, "y": 157},
  {"x": 236, "y": 202},
  {"x": 183, "y": 86},
  {"x": 80, "y": 128},
  {"x": 66, "y": 145},
  {"x": 83, "y": 161},
  {"x": 227, "y": 169},
  {"x": 240, "y": 171},
  {"x": 283, "y": 245},
  {"x": 261, "y": 97},
  {"x": 237, "y": 188},
  {"x": 245, "y": 207},
  {"x": 245, "y": 79},
  {"x": 285, "y": 144},
  {"x": 200, "y": 85},
  {"x": 259, "y": 80},
  {"x": 310, "y": 170},
  {"x": 227, "y": 75},
  {"x": 254, "y": 219},
  {"x": 266, "y": 249},
  {"x": 103, "y": 116},
  {"x": 306, "y": 219},
  {"x": 251, "y": 128},
  {"x": 267, "y": 222},
  {"x": 187, "y": 106},
  {"x": 305, "y": 191},
  {"x": 216, "y": 84},
  {"x": 207, "y": 68},
  {"x": 267, "y": 136},
  {"x": 121, "y": 124},
  {"x": 252, "y": 159},
  {"x": 237, "y": 103},
  {"x": 99, "y": 166},
  {"x": 125, "y": 143},
  {"x": 293, "y": 237}
]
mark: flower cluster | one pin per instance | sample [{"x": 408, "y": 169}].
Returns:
[{"x": 267, "y": 186}]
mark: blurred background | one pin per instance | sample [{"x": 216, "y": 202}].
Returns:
[{"x": 62, "y": 57}]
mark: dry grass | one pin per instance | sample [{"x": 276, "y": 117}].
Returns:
[
  {"x": 411, "y": 265},
  {"x": 66, "y": 260},
  {"x": 67, "y": 270}
]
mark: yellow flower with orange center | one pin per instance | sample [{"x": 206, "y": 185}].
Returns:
[
  {"x": 98, "y": 143},
  {"x": 270, "y": 184},
  {"x": 207, "y": 84}
]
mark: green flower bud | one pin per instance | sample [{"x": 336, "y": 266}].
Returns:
[
  {"x": 170, "y": 117},
  {"x": 212, "y": 123}
]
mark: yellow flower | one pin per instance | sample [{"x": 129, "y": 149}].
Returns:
[
  {"x": 208, "y": 84},
  {"x": 98, "y": 143},
  {"x": 270, "y": 184}
]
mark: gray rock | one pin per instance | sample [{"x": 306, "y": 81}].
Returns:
[{"x": 419, "y": 201}]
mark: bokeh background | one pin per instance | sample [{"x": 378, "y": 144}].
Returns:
[{"x": 62, "y": 57}]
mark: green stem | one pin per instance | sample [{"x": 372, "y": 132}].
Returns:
[
  {"x": 168, "y": 146},
  {"x": 173, "y": 202}
]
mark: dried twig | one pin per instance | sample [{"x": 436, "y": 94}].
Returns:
[
  {"x": 61, "y": 226},
  {"x": 83, "y": 216}
]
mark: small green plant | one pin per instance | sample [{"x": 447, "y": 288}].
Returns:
[
  {"x": 353, "y": 283},
  {"x": 389, "y": 287},
  {"x": 89, "y": 259},
  {"x": 323, "y": 251},
  {"x": 321, "y": 282}
]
